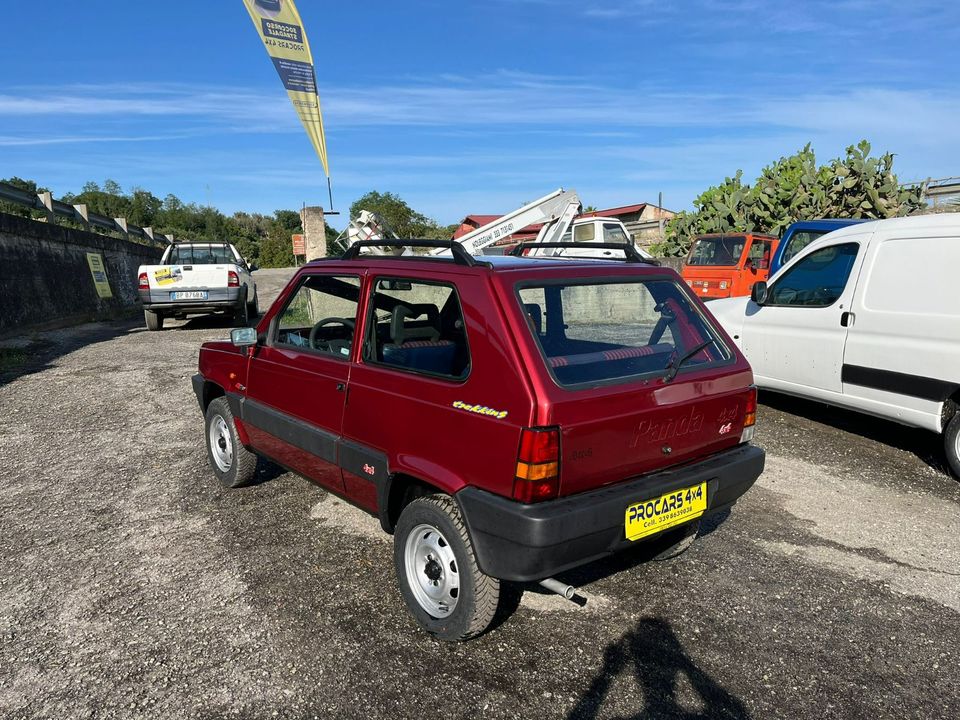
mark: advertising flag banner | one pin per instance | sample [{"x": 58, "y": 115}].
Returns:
[{"x": 280, "y": 28}]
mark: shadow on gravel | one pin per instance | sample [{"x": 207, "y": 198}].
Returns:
[
  {"x": 36, "y": 352},
  {"x": 643, "y": 553},
  {"x": 653, "y": 655},
  {"x": 926, "y": 446}
]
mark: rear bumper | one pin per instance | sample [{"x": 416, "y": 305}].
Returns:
[
  {"x": 521, "y": 542},
  {"x": 217, "y": 299}
]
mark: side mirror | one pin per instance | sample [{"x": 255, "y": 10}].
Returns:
[
  {"x": 243, "y": 337},
  {"x": 253, "y": 266},
  {"x": 758, "y": 293}
]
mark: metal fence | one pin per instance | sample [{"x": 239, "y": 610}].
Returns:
[{"x": 54, "y": 209}]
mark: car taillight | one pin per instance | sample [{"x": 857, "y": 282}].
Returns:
[
  {"x": 233, "y": 280},
  {"x": 144, "y": 281},
  {"x": 750, "y": 417},
  {"x": 538, "y": 465}
]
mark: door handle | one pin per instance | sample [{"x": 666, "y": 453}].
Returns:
[{"x": 846, "y": 319}]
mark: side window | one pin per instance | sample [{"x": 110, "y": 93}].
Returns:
[
  {"x": 818, "y": 280},
  {"x": 614, "y": 233},
  {"x": 321, "y": 315},
  {"x": 585, "y": 233},
  {"x": 418, "y": 326},
  {"x": 759, "y": 255},
  {"x": 798, "y": 241}
]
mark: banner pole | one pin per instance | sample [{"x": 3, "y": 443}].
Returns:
[{"x": 330, "y": 191}]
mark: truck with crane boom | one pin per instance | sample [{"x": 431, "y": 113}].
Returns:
[{"x": 556, "y": 213}]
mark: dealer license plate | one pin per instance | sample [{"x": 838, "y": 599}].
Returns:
[
  {"x": 189, "y": 295},
  {"x": 672, "y": 508}
]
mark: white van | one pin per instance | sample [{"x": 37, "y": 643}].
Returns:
[{"x": 867, "y": 318}]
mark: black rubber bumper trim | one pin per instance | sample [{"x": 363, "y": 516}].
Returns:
[
  {"x": 291, "y": 430},
  {"x": 521, "y": 543}
]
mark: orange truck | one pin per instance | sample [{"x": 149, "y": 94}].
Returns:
[{"x": 728, "y": 264}]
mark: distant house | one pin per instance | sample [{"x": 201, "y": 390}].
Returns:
[{"x": 641, "y": 220}]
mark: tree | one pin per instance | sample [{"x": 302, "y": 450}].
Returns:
[
  {"x": 404, "y": 220},
  {"x": 794, "y": 188}
]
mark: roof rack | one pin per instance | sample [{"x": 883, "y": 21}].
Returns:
[
  {"x": 630, "y": 253},
  {"x": 460, "y": 256}
]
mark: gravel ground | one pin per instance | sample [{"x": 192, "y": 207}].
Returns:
[{"x": 133, "y": 585}]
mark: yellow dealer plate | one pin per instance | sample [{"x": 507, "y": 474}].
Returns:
[{"x": 673, "y": 508}]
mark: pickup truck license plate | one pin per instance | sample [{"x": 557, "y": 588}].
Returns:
[
  {"x": 189, "y": 295},
  {"x": 672, "y": 508}
]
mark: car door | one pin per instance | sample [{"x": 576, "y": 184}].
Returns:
[
  {"x": 795, "y": 340},
  {"x": 297, "y": 381}
]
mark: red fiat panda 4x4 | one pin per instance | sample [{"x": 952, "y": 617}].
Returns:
[{"x": 506, "y": 419}]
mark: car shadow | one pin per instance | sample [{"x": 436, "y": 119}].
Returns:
[
  {"x": 643, "y": 553},
  {"x": 653, "y": 655},
  {"x": 925, "y": 445},
  {"x": 207, "y": 322}
]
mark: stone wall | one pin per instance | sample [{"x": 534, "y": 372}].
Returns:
[{"x": 45, "y": 279}]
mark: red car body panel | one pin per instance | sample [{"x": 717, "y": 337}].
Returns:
[{"x": 353, "y": 426}]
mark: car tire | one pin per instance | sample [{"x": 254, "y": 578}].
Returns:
[
  {"x": 232, "y": 463},
  {"x": 253, "y": 309},
  {"x": 675, "y": 542},
  {"x": 153, "y": 319},
  {"x": 241, "y": 316},
  {"x": 951, "y": 443},
  {"x": 431, "y": 532}
]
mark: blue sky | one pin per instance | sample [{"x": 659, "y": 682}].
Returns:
[{"x": 473, "y": 107}]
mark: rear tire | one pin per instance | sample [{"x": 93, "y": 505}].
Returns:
[
  {"x": 154, "y": 319},
  {"x": 232, "y": 463},
  {"x": 437, "y": 570},
  {"x": 676, "y": 542},
  {"x": 951, "y": 443},
  {"x": 241, "y": 316}
]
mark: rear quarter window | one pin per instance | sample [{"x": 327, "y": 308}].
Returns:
[{"x": 599, "y": 332}]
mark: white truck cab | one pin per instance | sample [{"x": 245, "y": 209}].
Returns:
[{"x": 867, "y": 318}]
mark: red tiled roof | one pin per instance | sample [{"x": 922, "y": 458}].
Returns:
[{"x": 623, "y": 210}]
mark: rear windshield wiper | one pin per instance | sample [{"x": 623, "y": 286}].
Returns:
[{"x": 673, "y": 367}]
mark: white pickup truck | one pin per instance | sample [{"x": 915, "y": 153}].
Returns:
[{"x": 198, "y": 278}]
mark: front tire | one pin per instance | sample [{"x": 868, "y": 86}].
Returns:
[
  {"x": 232, "y": 463},
  {"x": 437, "y": 570},
  {"x": 253, "y": 309},
  {"x": 951, "y": 443},
  {"x": 153, "y": 319}
]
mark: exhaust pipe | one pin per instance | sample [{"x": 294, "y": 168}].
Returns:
[{"x": 567, "y": 591}]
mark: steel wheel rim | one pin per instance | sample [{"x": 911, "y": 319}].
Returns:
[
  {"x": 432, "y": 571},
  {"x": 956, "y": 446},
  {"x": 221, "y": 446}
]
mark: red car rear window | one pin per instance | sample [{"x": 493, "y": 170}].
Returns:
[{"x": 593, "y": 332}]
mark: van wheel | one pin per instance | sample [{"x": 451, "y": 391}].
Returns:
[
  {"x": 951, "y": 442},
  {"x": 437, "y": 569},
  {"x": 232, "y": 463},
  {"x": 676, "y": 542},
  {"x": 154, "y": 319}
]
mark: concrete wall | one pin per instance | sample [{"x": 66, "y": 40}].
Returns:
[
  {"x": 45, "y": 279},
  {"x": 314, "y": 232}
]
